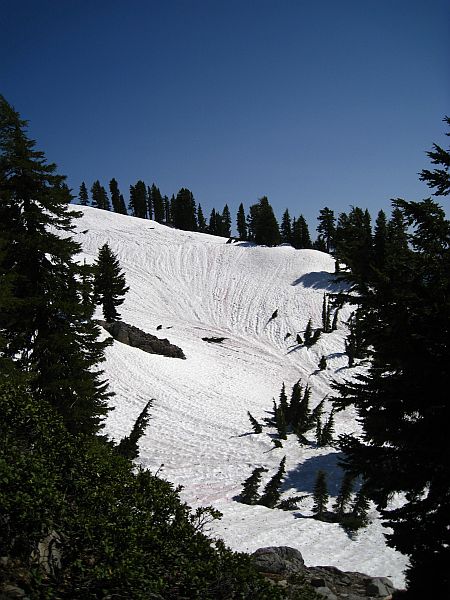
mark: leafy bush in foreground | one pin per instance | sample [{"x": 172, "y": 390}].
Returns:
[{"x": 116, "y": 533}]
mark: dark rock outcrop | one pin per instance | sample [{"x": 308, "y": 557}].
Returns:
[
  {"x": 135, "y": 337},
  {"x": 285, "y": 566}
]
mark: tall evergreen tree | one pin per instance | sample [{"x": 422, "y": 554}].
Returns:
[
  {"x": 300, "y": 234},
  {"x": 185, "y": 211},
  {"x": 83, "y": 195},
  {"x": 167, "y": 211},
  {"x": 226, "y": 222},
  {"x": 405, "y": 317},
  {"x": 327, "y": 228},
  {"x": 262, "y": 224},
  {"x": 241, "y": 223},
  {"x": 46, "y": 330},
  {"x": 122, "y": 206},
  {"x": 150, "y": 212},
  {"x": 138, "y": 200},
  {"x": 380, "y": 241},
  {"x": 115, "y": 196},
  {"x": 354, "y": 241},
  {"x": 286, "y": 228},
  {"x": 99, "y": 196},
  {"x": 202, "y": 227},
  {"x": 158, "y": 204},
  {"x": 109, "y": 283},
  {"x": 215, "y": 222}
]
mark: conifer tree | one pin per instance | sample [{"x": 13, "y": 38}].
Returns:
[
  {"x": 380, "y": 241},
  {"x": 202, "y": 227},
  {"x": 262, "y": 224},
  {"x": 241, "y": 223},
  {"x": 294, "y": 405},
  {"x": 99, "y": 196},
  {"x": 122, "y": 206},
  {"x": 344, "y": 495},
  {"x": 128, "y": 446},
  {"x": 249, "y": 494},
  {"x": 226, "y": 222},
  {"x": 405, "y": 317},
  {"x": 327, "y": 228},
  {"x": 320, "y": 495},
  {"x": 167, "y": 211},
  {"x": 322, "y": 363},
  {"x": 215, "y": 223},
  {"x": 150, "y": 212},
  {"x": 326, "y": 315},
  {"x": 439, "y": 178},
  {"x": 308, "y": 333},
  {"x": 284, "y": 402},
  {"x": 255, "y": 425},
  {"x": 280, "y": 423},
  {"x": 115, "y": 196},
  {"x": 109, "y": 283},
  {"x": 184, "y": 214},
  {"x": 138, "y": 200},
  {"x": 158, "y": 204},
  {"x": 46, "y": 330},
  {"x": 271, "y": 493},
  {"x": 286, "y": 228},
  {"x": 300, "y": 234},
  {"x": 326, "y": 438},
  {"x": 83, "y": 195}
]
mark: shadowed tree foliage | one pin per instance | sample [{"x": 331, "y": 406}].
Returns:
[
  {"x": 46, "y": 329},
  {"x": 404, "y": 316}
]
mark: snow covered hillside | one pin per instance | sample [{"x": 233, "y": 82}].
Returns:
[{"x": 196, "y": 285}]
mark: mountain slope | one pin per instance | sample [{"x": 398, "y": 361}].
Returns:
[{"x": 195, "y": 286}]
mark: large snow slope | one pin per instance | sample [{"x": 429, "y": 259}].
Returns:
[{"x": 195, "y": 286}]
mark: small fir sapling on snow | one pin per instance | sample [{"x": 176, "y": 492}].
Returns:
[
  {"x": 320, "y": 495},
  {"x": 277, "y": 443},
  {"x": 284, "y": 402},
  {"x": 344, "y": 495},
  {"x": 322, "y": 363},
  {"x": 128, "y": 446},
  {"x": 299, "y": 339},
  {"x": 280, "y": 423},
  {"x": 357, "y": 518},
  {"x": 249, "y": 494},
  {"x": 257, "y": 428},
  {"x": 271, "y": 493},
  {"x": 326, "y": 437}
]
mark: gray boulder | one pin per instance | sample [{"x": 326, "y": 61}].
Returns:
[{"x": 135, "y": 337}]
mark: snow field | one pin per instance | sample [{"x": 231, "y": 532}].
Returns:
[{"x": 195, "y": 286}]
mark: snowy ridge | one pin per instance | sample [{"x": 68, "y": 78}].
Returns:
[{"x": 197, "y": 285}]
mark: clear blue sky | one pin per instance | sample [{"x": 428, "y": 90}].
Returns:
[{"x": 327, "y": 103}]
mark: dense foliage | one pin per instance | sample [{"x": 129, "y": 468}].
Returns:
[{"x": 77, "y": 522}]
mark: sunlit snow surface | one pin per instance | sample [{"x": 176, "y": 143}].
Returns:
[{"x": 195, "y": 286}]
